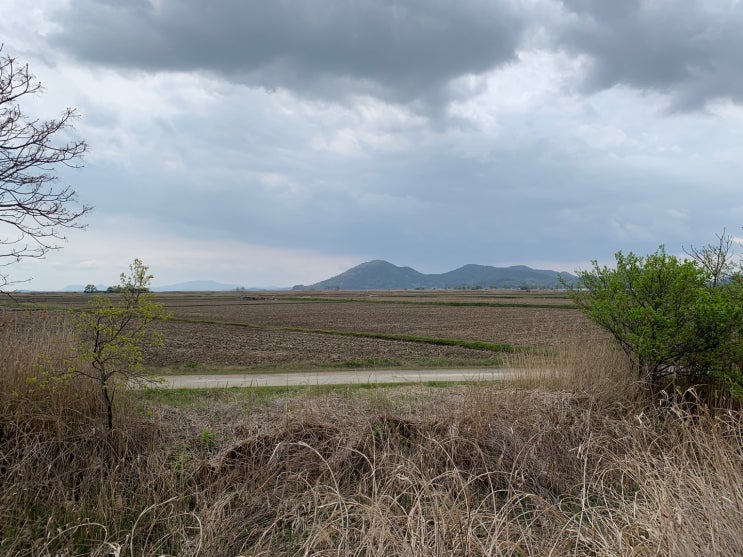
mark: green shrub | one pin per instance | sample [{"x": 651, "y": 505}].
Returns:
[{"x": 670, "y": 317}]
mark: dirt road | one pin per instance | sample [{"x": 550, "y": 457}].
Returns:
[{"x": 332, "y": 378}]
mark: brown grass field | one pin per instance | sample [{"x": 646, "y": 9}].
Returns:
[{"x": 579, "y": 461}]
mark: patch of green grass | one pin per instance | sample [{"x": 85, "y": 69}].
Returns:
[
  {"x": 453, "y": 363},
  {"x": 443, "y": 341},
  {"x": 312, "y": 365},
  {"x": 364, "y": 363},
  {"x": 194, "y": 398}
]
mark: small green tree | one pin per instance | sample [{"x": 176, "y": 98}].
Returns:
[
  {"x": 90, "y": 288},
  {"x": 669, "y": 315},
  {"x": 113, "y": 332}
]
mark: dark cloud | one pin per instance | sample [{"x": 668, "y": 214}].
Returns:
[
  {"x": 396, "y": 50},
  {"x": 689, "y": 49},
  {"x": 407, "y": 51}
]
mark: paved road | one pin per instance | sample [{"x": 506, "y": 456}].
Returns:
[{"x": 332, "y": 378}]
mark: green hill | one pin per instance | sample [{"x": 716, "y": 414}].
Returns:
[{"x": 382, "y": 275}]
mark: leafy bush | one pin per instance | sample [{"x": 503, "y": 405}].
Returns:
[{"x": 671, "y": 317}]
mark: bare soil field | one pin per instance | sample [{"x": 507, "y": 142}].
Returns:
[
  {"x": 226, "y": 345},
  {"x": 474, "y": 316},
  {"x": 521, "y": 325},
  {"x": 250, "y": 329}
]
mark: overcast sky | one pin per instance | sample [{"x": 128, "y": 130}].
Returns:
[{"x": 275, "y": 143}]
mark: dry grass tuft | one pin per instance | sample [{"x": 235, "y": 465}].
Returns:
[
  {"x": 36, "y": 349},
  {"x": 481, "y": 472},
  {"x": 587, "y": 363},
  {"x": 59, "y": 467}
]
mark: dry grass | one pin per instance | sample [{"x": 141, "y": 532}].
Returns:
[
  {"x": 67, "y": 485},
  {"x": 512, "y": 473},
  {"x": 36, "y": 348},
  {"x": 574, "y": 464},
  {"x": 588, "y": 363}
]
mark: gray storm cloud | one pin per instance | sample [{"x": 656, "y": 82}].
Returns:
[
  {"x": 401, "y": 51},
  {"x": 689, "y": 49},
  {"x": 404, "y": 51}
]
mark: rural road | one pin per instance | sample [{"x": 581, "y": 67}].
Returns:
[{"x": 330, "y": 378}]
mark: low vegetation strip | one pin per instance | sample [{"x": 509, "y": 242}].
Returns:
[
  {"x": 443, "y": 341},
  {"x": 335, "y": 377}
]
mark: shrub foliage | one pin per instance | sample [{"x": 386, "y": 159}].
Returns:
[{"x": 671, "y": 317}]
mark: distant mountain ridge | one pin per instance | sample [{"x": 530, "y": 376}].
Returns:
[
  {"x": 382, "y": 275},
  {"x": 196, "y": 286}
]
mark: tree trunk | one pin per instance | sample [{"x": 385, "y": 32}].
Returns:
[{"x": 108, "y": 397}]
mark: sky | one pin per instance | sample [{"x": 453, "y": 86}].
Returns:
[{"x": 268, "y": 144}]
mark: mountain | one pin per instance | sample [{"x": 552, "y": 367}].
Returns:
[
  {"x": 372, "y": 275},
  {"x": 516, "y": 276},
  {"x": 381, "y": 275}
]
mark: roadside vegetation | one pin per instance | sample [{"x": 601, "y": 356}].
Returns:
[
  {"x": 581, "y": 461},
  {"x": 679, "y": 321}
]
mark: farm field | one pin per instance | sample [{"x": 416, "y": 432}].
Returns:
[{"x": 281, "y": 330}]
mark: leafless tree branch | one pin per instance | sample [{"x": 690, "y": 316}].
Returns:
[
  {"x": 715, "y": 258},
  {"x": 35, "y": 210}
]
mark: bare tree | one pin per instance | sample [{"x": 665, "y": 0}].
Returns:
[
  {"x": 34, "y": 209},
  {"x": 715, "y": 258}
]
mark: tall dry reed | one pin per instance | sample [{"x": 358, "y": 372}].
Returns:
[
  {"x": 584, "y": 361},
  {"x": 478, "y": 472},
  {"x": 37, "y": 347},
  {"x": 65, "y": 481}
]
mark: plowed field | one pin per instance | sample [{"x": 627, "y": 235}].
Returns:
[
  {"x": 248, "y": 332},
  {"x": 311, "y": 329},
  {"x": 494, "y": 324},
  {"x": 226, "y": 345}
]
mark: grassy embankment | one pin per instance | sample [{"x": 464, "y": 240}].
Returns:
[{"x": 576, "y": 463}]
